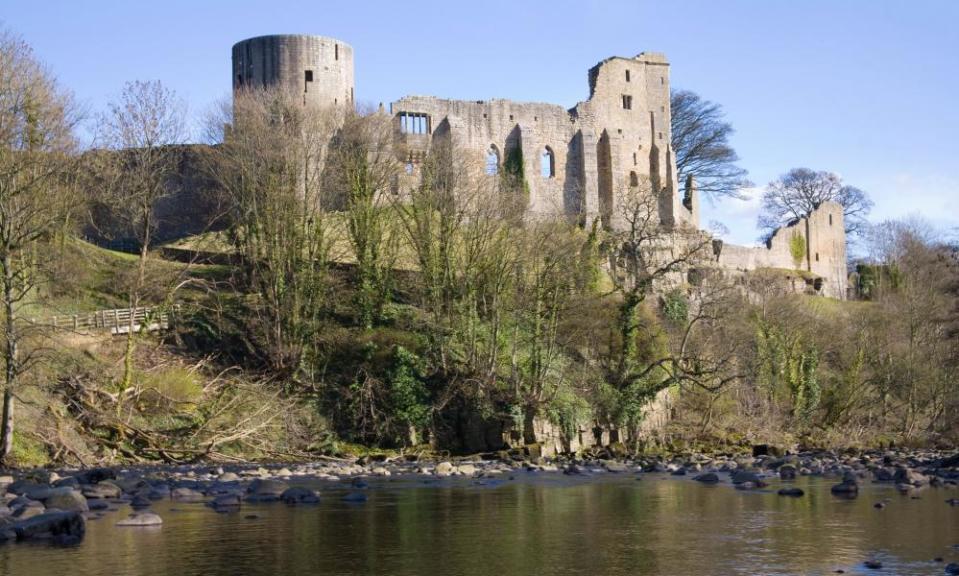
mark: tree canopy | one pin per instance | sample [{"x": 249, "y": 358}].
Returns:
[{"x": 700, "y": 141}]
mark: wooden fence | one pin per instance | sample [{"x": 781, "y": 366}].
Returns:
[{"x": 116, "y": 321}]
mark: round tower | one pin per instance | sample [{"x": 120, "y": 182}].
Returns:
[{"x": 320, "y": 68}]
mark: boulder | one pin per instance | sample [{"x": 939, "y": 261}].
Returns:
[
  {"x": 95, "y": 475},
  {"x": 102, "y": 489},
  {"x": 186, "y": 495},
  {"x": 707, "y": 478},
  {"x": 29, "y": 510},
  {"x": 62, "y": 527},
  {"x": 466, "y": 469},
  {"x": 31, "y": 490},
  {"x": 69, "y": 481},
  {"x": 141, "y": 519},
  {"x": 884, "y": 474},
  {"x": 68, "y": 501},
  {"x": 792, "y": 491},
  {"x": 444, "y": 469},
  {"x": 355, "y": 497},
  {"x": 614, "y": 466},
  {"x": 299, "y": 495},
  {"x": 909, "y": 476},
  {"x": 787, "y": 472},
  {"x": 952, "y": 568},
  {"x": 743, "y": 476},
  {"x": 264, "y": 490},
  {"x": 848, "y": 488},
  {"x": 226, "y": 502},
  {"x": 140, "y": 502},
  {"x": 228, "y": 477}
]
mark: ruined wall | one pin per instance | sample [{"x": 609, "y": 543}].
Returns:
[
  {"x": 578, "y": 163},
  {"x": 318, "y": 67},
  {"x": 481, "y": 128},
  {"x": 824, "y": 255}
]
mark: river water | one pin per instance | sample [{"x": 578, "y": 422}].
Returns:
[{"x": 540, "y": 523}]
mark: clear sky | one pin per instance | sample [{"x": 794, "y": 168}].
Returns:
[{"x": 865, "y": 88}]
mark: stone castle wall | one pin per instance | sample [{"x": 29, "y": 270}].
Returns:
[
  {"x": 318, "y": 67},
  {"x": 824, "y": 253},
  {"x": 578, "y": 163}
]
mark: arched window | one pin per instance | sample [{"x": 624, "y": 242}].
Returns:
[
  {"x": 547, "y": 163},
  {"x": 633, "y": 180},
  {"x": 492, "y": 160}
]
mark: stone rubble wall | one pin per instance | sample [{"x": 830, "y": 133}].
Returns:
[{"x": 824, "y": 255}]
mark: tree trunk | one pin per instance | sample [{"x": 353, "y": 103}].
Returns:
[
  {"x": 6, "y": 443},
  {"x": 11, "y": 359}
]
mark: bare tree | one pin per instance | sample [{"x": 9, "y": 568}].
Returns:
[
  {"x": 643, "y": 254},
  {"x": 36, "y": 175},
  {"x": 700, "y": 141},
  {"x": 141, "y": 132},
  {"x": 798, "y": 192},
  {"x": 270, "y": 165},
  {"x": 362, "y": 166}
]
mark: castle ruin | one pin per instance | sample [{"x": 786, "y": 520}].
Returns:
[{"x": 578, "y": 162}]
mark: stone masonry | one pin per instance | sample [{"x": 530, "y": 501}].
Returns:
[{"x": 578, "y": 163}]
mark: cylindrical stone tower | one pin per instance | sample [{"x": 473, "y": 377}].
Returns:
[{"x": 318, "y": 67}]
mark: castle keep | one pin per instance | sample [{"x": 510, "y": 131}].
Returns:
[{"x": 578, "y": 163}]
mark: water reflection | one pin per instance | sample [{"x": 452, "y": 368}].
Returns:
[{"x": 531, "y": 525}]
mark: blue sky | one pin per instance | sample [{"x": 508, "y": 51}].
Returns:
[{"x": 863, "y": 88}]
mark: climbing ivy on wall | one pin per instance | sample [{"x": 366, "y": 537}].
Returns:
[
  {"x": 797, "y": 249},
  {"x": 513, "y": 171}
]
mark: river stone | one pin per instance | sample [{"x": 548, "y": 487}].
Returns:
[
  {"x": 95, "y": 475},
  {"x": 102, "y": 489},
  {"x": 884, "y": 474},
  {"x": 909, "y": 476},
  {"x": 707, "y": 478},
  {"x": 30, "y": 510},
  {"x": 444, "y": 469},
  {"x": 265, "y": 490},
  {"x": 68, "y": 501},
  {"x": 62, "y": 527},
  {"x": 847, "y": 487},
  {"x": 299, "y": 495},
  {"x": 743, "y": 476},
  {"x": 140, "y": 502},
  {"x": 787, "y": 472},
  {"x": 466, "y": 469},
  {"x": 186, "y": 495},
  {"x": 225, "y": 502},
  {"x": 794, "y": 492},
  {"x": 952, "y": 568},
  {"x": 141, "y": 519},
  {"x": 355, "y": 497},
  {"x": 228, "y": 477},
  {"x": 614, "y": 466}
]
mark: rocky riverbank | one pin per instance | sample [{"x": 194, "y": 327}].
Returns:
[{"x": 55, "y": 505}]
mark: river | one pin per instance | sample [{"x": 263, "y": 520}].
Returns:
[{"x": 540, "y": 523}]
